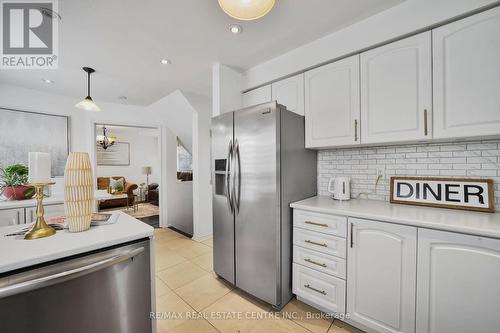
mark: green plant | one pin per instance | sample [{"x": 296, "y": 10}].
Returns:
[{"x": 13, "y": 175}]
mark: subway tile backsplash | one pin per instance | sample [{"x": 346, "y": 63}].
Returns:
[{"x": 471, "y": 159}]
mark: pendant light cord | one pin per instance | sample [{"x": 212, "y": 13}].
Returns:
[{"x": 88, "y": 84}]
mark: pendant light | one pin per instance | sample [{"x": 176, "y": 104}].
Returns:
[
  {"x": 246, "y": 10},
  {"x": 87, "y": 103},
  {"x": 104, "y": 140}
]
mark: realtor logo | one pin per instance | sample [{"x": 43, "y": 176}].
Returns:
[{"x": 29, "y": 34}]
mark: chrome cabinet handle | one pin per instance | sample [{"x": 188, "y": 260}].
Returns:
[
  {"x": 352, "y": 236},
  {"x": 426, "y": 125},
  {"x": 229, "y": 161},
  {"x": 355, "y": 130},
  {"x": 314, "y": 289},
  {"x": 315, "y": 243},
  {"x": 316, "y": 223},
  {"x": 314, "y": 262},
  {"x": 50, "y": 280}
]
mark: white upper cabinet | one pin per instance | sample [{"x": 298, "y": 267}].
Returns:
[
  {"x": 396, "y": 91},
  {"x": 290, "y": 93},
  {"x": 257, "y": 96},
  {"x": 381, "y": 269},
  {"x": 467, "y": 76},
  {"x": 332, "y": 104},
  {"x": 458, "y": 287}
]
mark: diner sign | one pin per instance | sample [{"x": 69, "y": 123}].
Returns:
[{"x": 456, "y": 193}]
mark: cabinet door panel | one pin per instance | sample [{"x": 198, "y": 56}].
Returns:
[
  {"x": 11, "y": 216},
  {"x": 49, "y": 211},
  {"x": 458, "y": 283},
  {"x": 257, "y": 96},
  {"x": 290, "y": 93},
  {"x": 467, "y": 76},
  {"x": 381, "y": 269},
  {"x": 332, "y": 104},
  {"x": 396, "y": 91}
]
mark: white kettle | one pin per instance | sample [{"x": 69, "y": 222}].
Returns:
[{"x": 340, "y": 188}]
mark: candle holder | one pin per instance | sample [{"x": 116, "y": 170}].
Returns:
[{"x": 40, "y": 229}]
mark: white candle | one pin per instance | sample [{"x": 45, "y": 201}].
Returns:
[{"x": 39, "y": 167}]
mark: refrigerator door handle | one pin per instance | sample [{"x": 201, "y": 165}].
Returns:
[
  {"x": 237, "y": 189},
  {"x": 229, "y": 161}
]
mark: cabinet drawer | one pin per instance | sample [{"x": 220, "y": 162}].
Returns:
[
  {"x": 322, "y": 289},
  {"x": 319, "y": 261},
  {"x": 325, "y": 223},
  {"x": 328, "y": 244}
]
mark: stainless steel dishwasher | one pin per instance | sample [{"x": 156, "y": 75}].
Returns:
[{"x": 100, "y": 292}]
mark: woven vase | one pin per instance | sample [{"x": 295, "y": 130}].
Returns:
[{"x": 78, "y": 192}]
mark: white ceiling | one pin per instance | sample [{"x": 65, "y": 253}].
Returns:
[
  {"x": 124, "y": 41},
  {"x": 117, "y": 130}
]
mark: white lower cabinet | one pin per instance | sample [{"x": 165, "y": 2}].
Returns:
[
  {"x": 49, "y": 211},
  {"x": 324, "y": 263},
  {"x": 399, "y": 279},
  {"x": 381, "y": 270},
  {"x": 458, "y": 283},
  {"x": 323, "y": 290},
  {"x": 316, "y": 241},
  {"x": 319, "y": 265},
  {"x": 11, "y": 216}
]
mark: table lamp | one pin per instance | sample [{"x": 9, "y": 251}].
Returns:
[{"x": 146, "y": 171}]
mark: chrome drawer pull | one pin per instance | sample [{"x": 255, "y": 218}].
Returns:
[
  {"x": 315, "y": 243},
  {"x": 314, "y": 289},
  {"x": 316, "y": 223},
  {"x": 315, "y": 262}
]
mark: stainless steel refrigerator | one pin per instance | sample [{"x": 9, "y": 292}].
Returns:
[{"x": 259, "y": 166}]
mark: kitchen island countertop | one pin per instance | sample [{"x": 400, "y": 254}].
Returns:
[
  {"x": 466, "y": 222},
  {"x": 16, "y": 253}
]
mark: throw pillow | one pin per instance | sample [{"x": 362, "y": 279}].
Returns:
[{"x": 117, "y": 185}]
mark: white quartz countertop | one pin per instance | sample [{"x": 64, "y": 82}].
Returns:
[
  {"x": 16, "y": 252},
  {"x": 467, "y": 222}
]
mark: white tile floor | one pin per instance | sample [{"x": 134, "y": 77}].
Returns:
[{"x": 187, "y": 287}]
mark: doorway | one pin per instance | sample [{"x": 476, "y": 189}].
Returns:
[{"x": 128, "y": 166}]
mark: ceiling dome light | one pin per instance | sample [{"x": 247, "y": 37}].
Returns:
[
  {"x": 48, "y": 81},
  {"x": 246, "y": 10},
  {"x": 235, "y": 29},
  {"x": 165, "y": 62},
  {"x": 87, "y": 103}
]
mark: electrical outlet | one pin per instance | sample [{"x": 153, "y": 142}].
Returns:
[{"x": 381, "y": 172}]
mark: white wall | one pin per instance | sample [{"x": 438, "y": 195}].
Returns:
[
  {"x": 176, "y": 113},
  {"x": 226, "y": 84},
  {"x": 478, "y": 159},
  {"x": 143, "y": 152},
  {"x": 405, "y": 18},
  {"x": 202, "y": 186},
  {"x": 179, "y": 194}
]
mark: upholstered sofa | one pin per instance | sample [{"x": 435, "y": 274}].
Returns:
[
  {"x": 153, "y": 194},
  {"x": 103, "y": 184}
]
